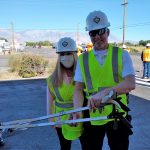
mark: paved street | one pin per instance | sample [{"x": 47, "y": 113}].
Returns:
[
  {"x": 4, "y": 63},
  {"x": 27, "y": 99}
]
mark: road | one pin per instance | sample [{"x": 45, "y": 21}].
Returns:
[
  {"x": 4, "y": 62},
  {"x": 27, "y": 99}
]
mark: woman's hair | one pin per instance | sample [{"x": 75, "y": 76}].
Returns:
[{"x": 57, "y": 76}]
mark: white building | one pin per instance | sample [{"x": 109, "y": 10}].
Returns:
[{"x": 4, "y": 45}]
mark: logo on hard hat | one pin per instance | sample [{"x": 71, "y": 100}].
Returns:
[
  {"x": 65, "y": 43},
  {"x": 96, "y": 19}
]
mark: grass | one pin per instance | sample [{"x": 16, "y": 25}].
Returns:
[
  {"x": 8, "y": 75},
  {"x": 137, "y": 49}
]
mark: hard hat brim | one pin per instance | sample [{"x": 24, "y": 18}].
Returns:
[{"x": 97, "y": 27}]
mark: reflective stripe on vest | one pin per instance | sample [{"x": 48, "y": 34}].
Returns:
[
  {"x": 58, "y": 94},
  {"x": 63, "y": 96},
  {"x": 65, "y": 105},
  {"x": 61, "y": 105},
  {"x": 87, "y": 72},
  {"x": 114, "y": 66}
]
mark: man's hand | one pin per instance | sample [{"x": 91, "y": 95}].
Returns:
[{"x": 96, "y": 100}]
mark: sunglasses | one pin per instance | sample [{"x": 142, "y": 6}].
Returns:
[{"x": 99, "y": 32}]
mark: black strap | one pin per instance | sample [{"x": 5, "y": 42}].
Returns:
[{"x": 123, "y": 106}]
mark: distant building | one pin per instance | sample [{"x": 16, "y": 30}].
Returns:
[{"x": 4, "y": 45}]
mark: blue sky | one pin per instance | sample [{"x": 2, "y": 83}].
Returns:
[{"x": 65, "y": 15}]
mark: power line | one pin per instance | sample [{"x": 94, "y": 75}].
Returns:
[
  {"x": 132, "y": 25},
  {"x": 13, "y": 42},
  {"x": 74, "y": 29}
]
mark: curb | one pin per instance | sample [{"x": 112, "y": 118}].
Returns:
[
  {"x": 23, "y": 79},
  {"x": 143, "y": 83}
]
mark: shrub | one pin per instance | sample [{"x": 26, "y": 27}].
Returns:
[
  {"x": 14, "y": 62},
  {"x": 134, "y": 50},
  {"x": 52, "y": 64},
  {"x": 28, "y": 65}
]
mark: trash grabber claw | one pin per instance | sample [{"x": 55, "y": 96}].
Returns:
[
  {"x": 54, "y": 123},
  {"x": 22, "y": 121},
  {"x": 111, "y": 97}
]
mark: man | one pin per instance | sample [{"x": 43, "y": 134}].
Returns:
[
  {"x": 145, "y": 56},
  {"x": 103, "y": 70}
]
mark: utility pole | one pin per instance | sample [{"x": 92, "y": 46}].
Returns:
[
  {"x": 59, "y": 35},
  {"x": 50, "y": 41},
  {"x": 124, "y": 21},
  {"x": 78, "y": 33},
  {"x": 13, "y": 41}
]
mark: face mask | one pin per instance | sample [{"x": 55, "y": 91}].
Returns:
[{"x": 67, "y": 61}]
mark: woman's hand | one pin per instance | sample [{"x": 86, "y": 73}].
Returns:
[{"x": 75, "y": 116}]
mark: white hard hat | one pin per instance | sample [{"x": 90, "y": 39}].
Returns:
[
  {"x": 96, "y": 20},
  {"x": 148, "y": 44},
  {"x": 66, "y": 44},
  {"x": 124, "y": 46}
]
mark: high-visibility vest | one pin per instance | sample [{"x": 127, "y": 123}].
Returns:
[
  {"x": 97, "y": 77},
  {"x": 64, "y": 102},
  {"x": 146, "y": 55}
]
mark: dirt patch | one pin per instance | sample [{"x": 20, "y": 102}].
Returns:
[{"x": 15, "y": 76}]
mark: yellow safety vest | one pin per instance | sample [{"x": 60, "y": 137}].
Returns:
[
  {"x": 97, "y": 77},
  {"x": 146, "y": 55},
  {"x": 64, "y": 102}
]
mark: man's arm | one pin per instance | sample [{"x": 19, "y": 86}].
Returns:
[{"x": 124, "y": 87}]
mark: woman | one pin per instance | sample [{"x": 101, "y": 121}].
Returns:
[{"x": 60, "y": 91}]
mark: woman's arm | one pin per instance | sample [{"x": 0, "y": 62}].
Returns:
[{"x": 49, "y": 102}]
